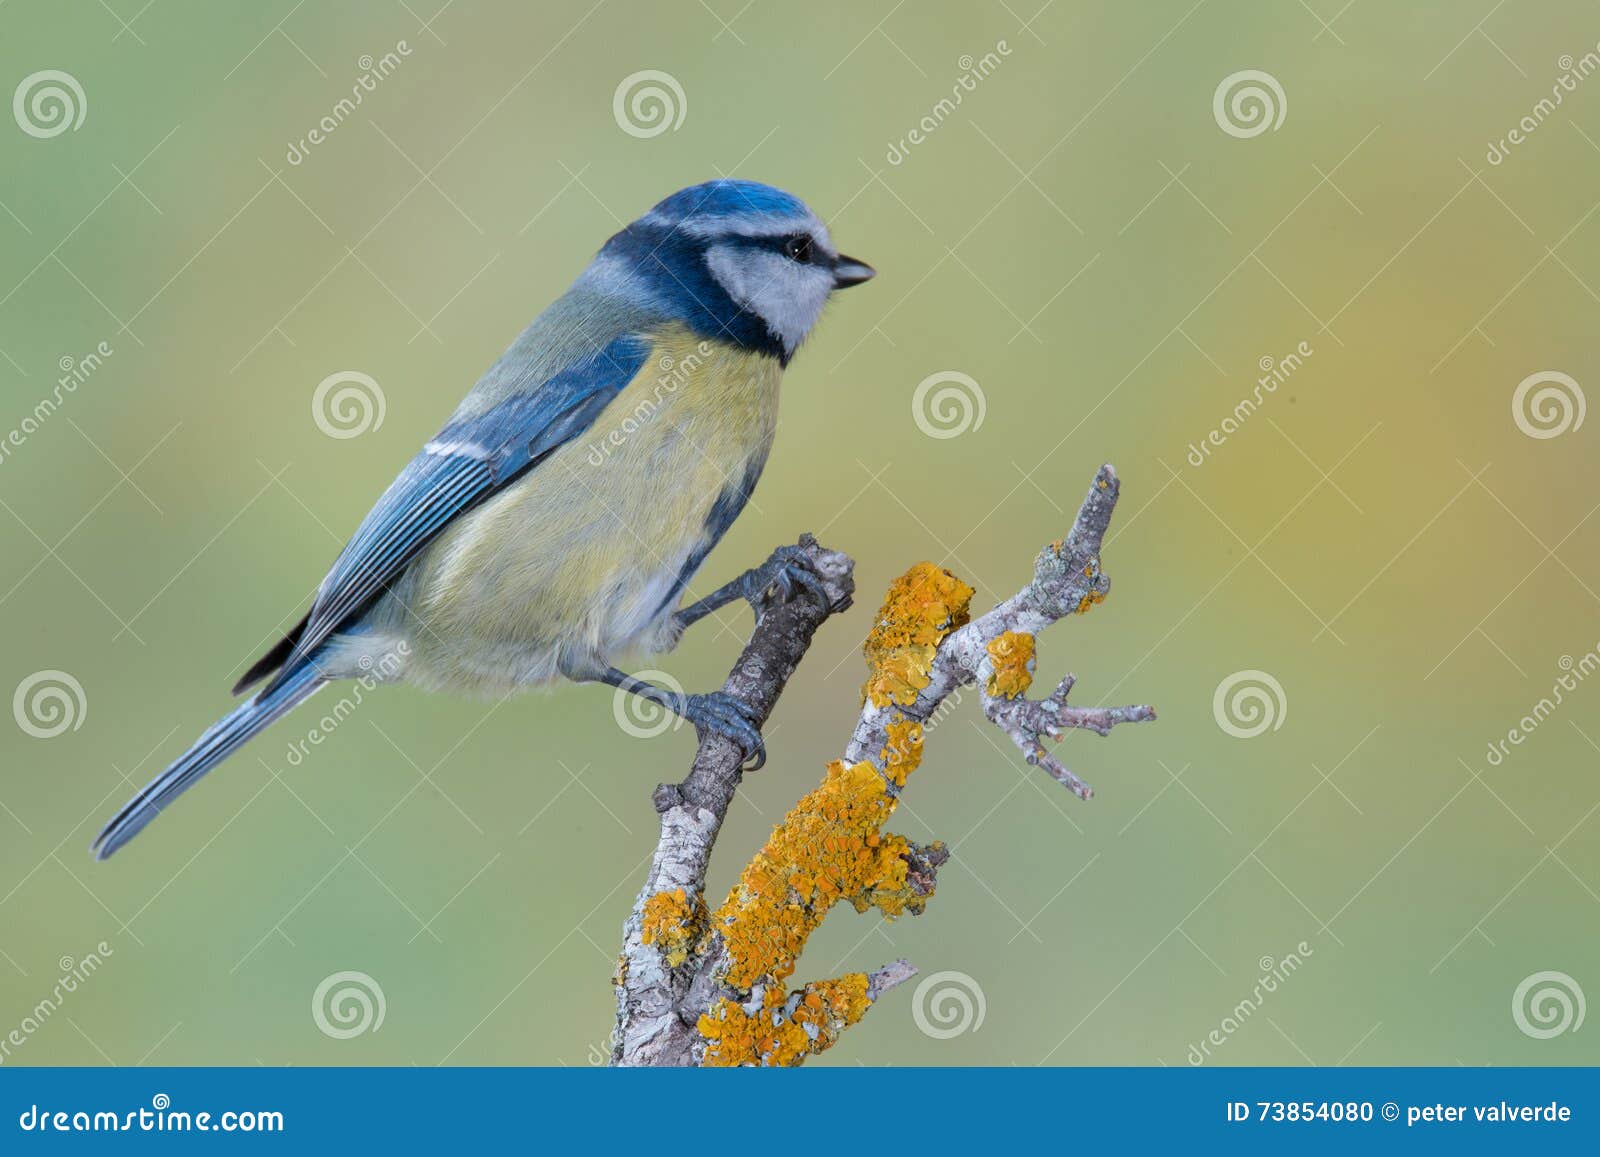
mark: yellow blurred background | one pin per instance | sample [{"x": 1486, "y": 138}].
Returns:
[{"x": 1113, "y": 259}]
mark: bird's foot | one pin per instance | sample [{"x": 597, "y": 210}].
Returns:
[
  {"x": 715, "y": 712},
  {"x": 730, "y": 717},
  {"x": 790, "y": 570}
]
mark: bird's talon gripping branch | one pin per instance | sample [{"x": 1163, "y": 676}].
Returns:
[
  {"x": 789, "y": 570},
  {"x": 734, "y": 719},
  {"x": 714, "y": 712}
]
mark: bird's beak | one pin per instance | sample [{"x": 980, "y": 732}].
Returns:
[{"x": 847, "y": 271}]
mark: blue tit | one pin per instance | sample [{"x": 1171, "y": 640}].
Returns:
[{"x": 554, "y": 522}]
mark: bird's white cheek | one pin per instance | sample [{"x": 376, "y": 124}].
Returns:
[{"x": 787, "y": 296}]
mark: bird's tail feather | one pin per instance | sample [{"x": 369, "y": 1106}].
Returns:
[{"x": 221, "y": 740}]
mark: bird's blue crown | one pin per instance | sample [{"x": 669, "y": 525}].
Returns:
[
  {"x": 659, "y": 261},
  {"x": 729, "y": 198}
]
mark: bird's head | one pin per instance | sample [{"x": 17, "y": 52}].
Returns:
[{"x": 736, "y": 261}]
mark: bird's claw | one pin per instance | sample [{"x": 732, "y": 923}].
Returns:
[
  {"x": 730, "y": 717},
  {"x": 789, "y": 570}
]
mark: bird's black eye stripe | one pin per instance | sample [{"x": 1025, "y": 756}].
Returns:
[{"x": 798, "y": 248}]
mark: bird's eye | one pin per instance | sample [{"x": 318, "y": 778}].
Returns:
[{"x": 798, "y": 248}]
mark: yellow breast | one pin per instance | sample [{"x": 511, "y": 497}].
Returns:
[{"x": 579, "y": 560}]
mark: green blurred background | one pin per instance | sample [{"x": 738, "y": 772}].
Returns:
[{"x": 1083, "y": 239}]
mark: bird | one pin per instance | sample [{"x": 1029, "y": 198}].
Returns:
[{"x": 552, "y": 525}]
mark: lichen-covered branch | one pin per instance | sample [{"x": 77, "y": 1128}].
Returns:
[
  {"x": 697, "y": 986},
  {"x": 668, "y": 919},
  {"x": 995, "y": 651}
]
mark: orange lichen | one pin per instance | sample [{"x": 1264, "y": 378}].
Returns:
[
  {"x": 673, "y": 924},
  {"x": 921, "y": 607},
  {"x": 903, "y": 752},
  {"x": 897, "y": 893},
  {"x": 1095, "y": 593},
  {"x": 830, "y": 847},
  {"x": 1011, "y": 654},
  {"x": 784, "y": 1030}
]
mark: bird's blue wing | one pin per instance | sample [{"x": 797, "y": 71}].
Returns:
[{"x": 468, "y": 461}]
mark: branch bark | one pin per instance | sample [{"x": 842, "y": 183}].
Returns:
[{"x": 700, "y": 987}]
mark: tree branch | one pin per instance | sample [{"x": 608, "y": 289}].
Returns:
[
  {"x": 701, "y": 987},
  {"x": 668, "y": 915}
]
